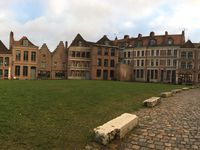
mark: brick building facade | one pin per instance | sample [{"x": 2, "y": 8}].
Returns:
[
  {"x": 163, "y": 58},
  {"x": 5, "y": 62}
]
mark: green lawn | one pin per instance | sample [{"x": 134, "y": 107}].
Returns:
[{"x": 62, "y": 114}]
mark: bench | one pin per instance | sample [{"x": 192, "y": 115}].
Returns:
[
  {"x": 166, "y": 94},
  {"x": 151, "y": 102},
  {"x": 116, "y": 128}
]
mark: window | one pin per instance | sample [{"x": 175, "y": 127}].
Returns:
[
  {"x": 83, "y": 54},
  {"x": 169, "y": 52},
  {"x": 88, "y": 54},
  {"x": 183, "y": 54},
  {"x": 183, "y": 65},
  {"x": 152, "y": 62},
  {"x": 170, "y": 42},
  {"x": 129, "y": 54},
  {"x": 137, "y": 73},
  {"x": 99, "y": 51},
  {"x": 156, "y": 74},
  {"x": 141, "y": 73},
  {"x": 168, "y": 62},
  {"x": 1, "y": 61},
  {"x": 25, "y": 55},
  {"x": 111, "y": 73},
  {"x": 152, "y": 74},
  {"x": 174, "y": 63},
  {"x": 168, "y": 74},
  {"x": 105, "y": 62},
  {"x": 73, "y": 54},
  {"x": 139, "y": 44},
  {"x": 175, "y": 52},
  {"x": 18, "y": 55},
  {"x": 138, "y": 62},
  {"x": 98, "y": 73},
  {"x": 112, "y": 63},
  {"x": 43, "y": 64},
  {"x": 78, "y": 54},
  {"x": 152, "y": 52},
  {"x": 1, "y": 72},
  {"x": 33, "y": 56},
  {"x": 112, "y": 52},
  {"x": 142, "y": 62},
  {"x": 55, "y": 64},
  {"x": 128, "y": 62},
  {"x": 157, "y": 62},
  {"x": 80, "y": 43},
  {"x": 25, "y": 71},
  {"x": 138, "y": 53},
  {"x": 43, "y": 55},
  {"x": 152, "y": 42},
  {"x": 189, "y": 65},
  {"x": 106, "y": 52},
  {"x": 157, "y": 52},
  {"x": 142, "y": 53},
  {"x": 99, "y": 62},
  {"x": 190, "y": 55},
  {"x": 17, "y": 70},
  {"x": 124, "y": 54},
  {"x": 25, "y": 42},
  {"x": 6, "y": 73},
  {"x": 6, "y": 61}
]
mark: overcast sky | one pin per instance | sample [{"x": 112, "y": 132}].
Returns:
[{"x": 51, "y": 21}]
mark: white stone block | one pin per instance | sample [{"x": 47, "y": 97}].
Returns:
[
  {"x": 166, "y": 94},
  {"x": 151, "y": 102},
  {"x": 185, "y": 88},
  {"x": 116, "y": 128},
  {"x": 176, "y": 91}
]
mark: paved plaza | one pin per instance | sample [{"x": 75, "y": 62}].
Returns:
[{"x": 174, "y": 124}]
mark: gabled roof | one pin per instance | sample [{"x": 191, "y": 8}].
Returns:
[
  {"x": 20, "y": 42},
  {"x": 188, "y": 44},
  {"x": 4, "y": 49},
  {"x": 103, "y": 40},
  {"x": 79, "y": 39},
  {"x": 45, "y": 47}
]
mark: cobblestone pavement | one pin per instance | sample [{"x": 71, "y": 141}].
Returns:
[{"x": 174, "y": 124}]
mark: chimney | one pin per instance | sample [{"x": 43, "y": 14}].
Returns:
[
  {"x": 126, "y": 37},
  {"x": 183, "y": 32},
  {"x": 139, "y": 35},
  {"x": 152, "y": 34},
  {"x": 11, "y": 40},
  {"x": 166, "y": 33}
]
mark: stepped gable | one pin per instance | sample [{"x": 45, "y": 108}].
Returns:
[
  {"x": 80, "y": 41},
  {"x": 4, "y": 49}
]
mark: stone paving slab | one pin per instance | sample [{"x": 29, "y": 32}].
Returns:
[{"x": 172, "y": 125}]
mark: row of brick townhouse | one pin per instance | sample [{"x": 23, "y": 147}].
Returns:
[{"x": 166, "y": 58}]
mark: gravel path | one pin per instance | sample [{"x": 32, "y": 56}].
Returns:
[{"x": 174, "y": 124}]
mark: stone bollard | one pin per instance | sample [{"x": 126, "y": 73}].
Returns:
[
  {"x": 151, "y": 102},
  {"x": 116, "y": 128},
  {"x": 166, "y": 94}
]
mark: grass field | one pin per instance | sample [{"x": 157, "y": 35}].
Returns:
[{"x": 62, "y": 114}]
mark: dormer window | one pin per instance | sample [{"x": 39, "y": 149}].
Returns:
[
  {"x": 80, "y": 43},
  {"x": 152, "y": 42},
  {"x": 25, "y": 42},
  {"x": 170, "y": 42},
  {"x": 106, "y": 42},
  {"x": 139, "y": 44}
]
